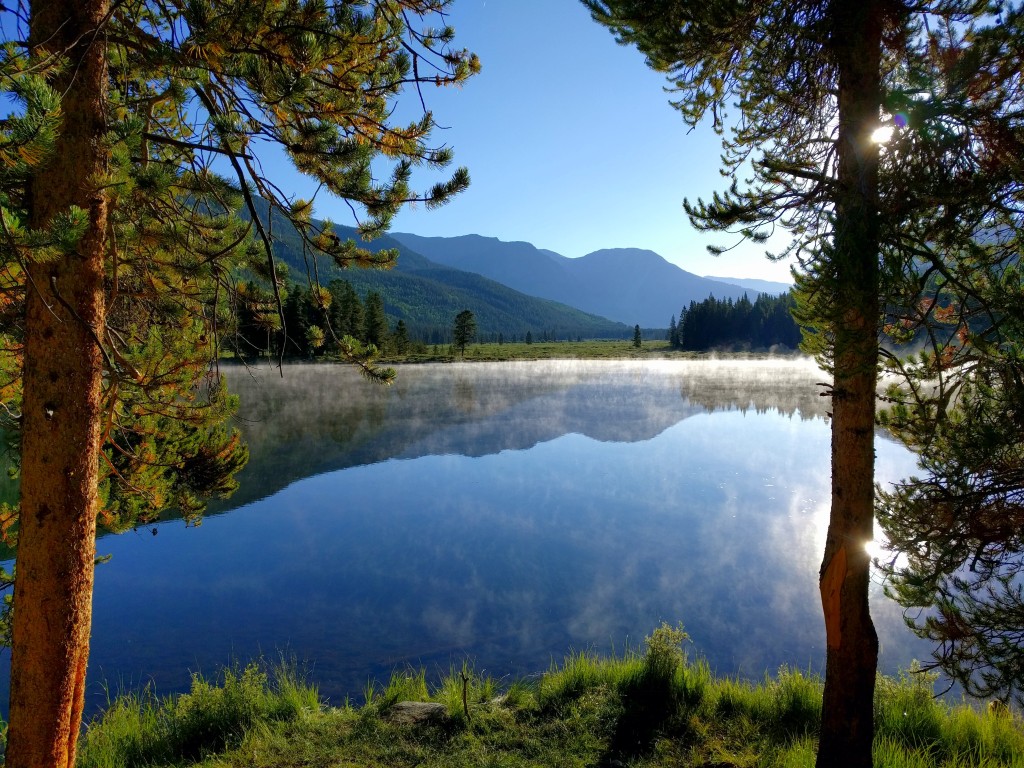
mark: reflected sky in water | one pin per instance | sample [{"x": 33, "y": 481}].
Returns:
[{"x": 505, "y": 512}]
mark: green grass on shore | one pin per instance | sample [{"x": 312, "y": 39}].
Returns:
[
  {"x": 545, "y": 350},
  {"x": 649, "y": 709},
  {"x": 593, "y": 349}
]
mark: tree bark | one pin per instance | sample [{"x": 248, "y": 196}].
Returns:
[
  {"x": 62, "y": 405},
  {"x": 847, "y": 722}
]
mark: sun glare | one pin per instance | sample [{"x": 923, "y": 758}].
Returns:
[
  {"x": 875, "y": 549},
  {"x": 882, "y": 134}
]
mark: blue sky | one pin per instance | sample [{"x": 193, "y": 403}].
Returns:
[{"x": 571, "y": 144}]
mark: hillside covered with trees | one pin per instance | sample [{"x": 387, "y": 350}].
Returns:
[{"x": 426, "y": 296}]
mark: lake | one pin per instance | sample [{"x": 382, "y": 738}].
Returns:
[{"x": 506, "y": 513}]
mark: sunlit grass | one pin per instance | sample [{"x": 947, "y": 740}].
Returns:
[
  {"x": 559, "y": 350},
  {"x": 142, "y": 729},
  {"x": 647, "y": 707}
]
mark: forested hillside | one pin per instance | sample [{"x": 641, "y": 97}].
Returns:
[
  {"x": 631, "y": 285},
  {"x": 426, "y": 296}
]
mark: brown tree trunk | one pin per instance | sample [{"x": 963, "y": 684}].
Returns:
[
  {"x": 847, "y": 723},
  {"x": 62, "y": 406}
]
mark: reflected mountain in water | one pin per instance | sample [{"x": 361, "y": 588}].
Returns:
[{"x": 320, "y": 418}]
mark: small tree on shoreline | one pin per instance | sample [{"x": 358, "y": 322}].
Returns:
[{"x": 464, "y": 331}]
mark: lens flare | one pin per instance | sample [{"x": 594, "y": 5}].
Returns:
[{"x": 882, "y": 134}]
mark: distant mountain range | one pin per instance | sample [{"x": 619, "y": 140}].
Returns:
[
  {"x": 771, "y": 287},
  {"x": 630, "y": 285},
  {"x": 514, "y": 287}
]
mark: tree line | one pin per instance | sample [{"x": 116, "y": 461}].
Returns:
[
  {"x": 318, "y": 319},
  {"x": 742, "y": 324}
]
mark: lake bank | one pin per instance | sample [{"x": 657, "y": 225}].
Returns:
[
  {"x": 602, "y": 349},
  {"x": 652, "y": 708}
]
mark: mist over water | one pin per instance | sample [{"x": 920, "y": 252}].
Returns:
[{"x": 503, "y": 512}]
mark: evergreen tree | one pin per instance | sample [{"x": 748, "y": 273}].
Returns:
[
  {"x": 714, "y": 323},
  {"x": 810, "y": 82},
  {"x": 400, "y": 338},
  {"x": 115, "y": 216},
  {"x": 298, "y": 319},
  {"x": 375, "y": 322},
  {"x": 958, "y": 523},
  {"x": 464, "y": 331},
  {"x": 347, "y": 311},
  {"x": 638, "y": 340}
]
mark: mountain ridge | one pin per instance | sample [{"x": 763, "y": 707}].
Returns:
[
  {"x": 427, "y": 296},
  {"x": 515, "y": 287},
  {"x": 628, "y": 285}
]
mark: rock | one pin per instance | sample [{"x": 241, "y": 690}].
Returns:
[{"x": 416, "y": 712}]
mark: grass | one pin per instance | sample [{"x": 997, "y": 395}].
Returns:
[
  {"x": 647, "y": 708},
  {"x": 551, "y": 350}
]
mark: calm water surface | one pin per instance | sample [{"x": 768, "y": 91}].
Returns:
[{"x": 503, "y": 512}]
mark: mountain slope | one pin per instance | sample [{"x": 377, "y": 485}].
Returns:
[
  {"x": 625, "y": 284},
  {"x": 428, "y": 300},
  {"x": 427, "y": 295}
]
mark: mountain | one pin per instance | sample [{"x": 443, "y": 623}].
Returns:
[
  {"x": 771, "y": 287},
  {"x": 428, "y": 299},
  {"x": 427, "y": 295},
  {"x": 629, "y": 285}
]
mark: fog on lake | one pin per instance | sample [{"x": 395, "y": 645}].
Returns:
[{"x": 504, "y": 513}]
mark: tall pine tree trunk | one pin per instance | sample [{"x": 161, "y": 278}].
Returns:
[
  {"x": 847, "y": 725},
  {"x": 62, "y": 406}
]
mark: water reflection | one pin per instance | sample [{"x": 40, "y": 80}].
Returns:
[
  {"x": 507, "y": 512},
  {"x": 321, "y": 418}
]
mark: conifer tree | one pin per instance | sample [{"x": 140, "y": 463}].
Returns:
[
  {"x": 638, "y": 340},
  {"x": 811, "y": 82},
  {"x": 958, "y": 523},
  {"x": 463, "y": 331},
  {"x": 400, "y": 337},
  {"x": 375, "y": 321},
  {"x": 119, "y": 239}
]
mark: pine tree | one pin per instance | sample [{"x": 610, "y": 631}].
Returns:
[
  {"x": 811, "y": 83},
  {"x": 958, "y": 523},
  {"x": 375, "y": 322},
  {"x": 463, "y": 331},
  {"x": 400, "y": 337},
  {"x": 115, "y": 216},
  {"x": 638, "y": 340}
]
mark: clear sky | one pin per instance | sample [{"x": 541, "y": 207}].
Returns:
[
  {"x": 570, "y": 141},
  {"x": 571, "y": 144}
]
